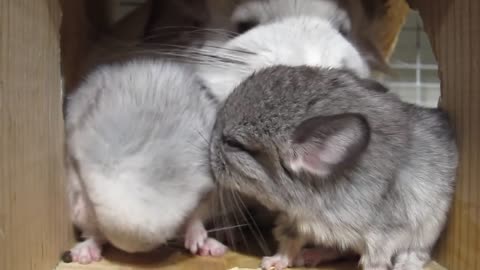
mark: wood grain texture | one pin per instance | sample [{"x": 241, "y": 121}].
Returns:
[
  {"x": 175, "y": 260},
  {"x": 388, "y": 28},
  {"x": 454, "y": 30},
  {"x": 34, "y": 226},
  {"x": 77, "y": 36}
]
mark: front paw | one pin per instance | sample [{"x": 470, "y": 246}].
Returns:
[
  {"x": 212, "y": 247},
  {"x": 277, "y": 262},
  {"x": 84, "y": 252},
  {"x": 195, "y": 237}
]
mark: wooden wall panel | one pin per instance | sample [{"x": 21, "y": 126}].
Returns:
[
  {"x": 388, "y": 29},
  {"x": 454, "y": 30},
  {"x": 34, "y": 227}
]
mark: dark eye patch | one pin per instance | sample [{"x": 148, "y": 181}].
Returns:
[
  {"x": 244, "y": 26},
  {"x": 344, "y": 32},
  {"x": 234, "y": 144}
]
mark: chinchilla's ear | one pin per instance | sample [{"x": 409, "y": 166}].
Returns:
[{"x": 323, "y": 143}]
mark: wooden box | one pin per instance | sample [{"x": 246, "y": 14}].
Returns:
[{"x": 43, "y": 49}]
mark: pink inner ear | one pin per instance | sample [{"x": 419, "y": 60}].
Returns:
[
  {"x": 312, "y": 159},
  {"x": 318, "y": 159},
  {"x": 334, "y": 150},
  {"x": 321, "y": 143},
  {"x": 310, "y": 163}
]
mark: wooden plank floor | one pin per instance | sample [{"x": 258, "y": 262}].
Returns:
[{"x": 173, "y": 259}]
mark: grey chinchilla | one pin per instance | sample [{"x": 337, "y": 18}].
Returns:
[{"x": 349, "y": 167}]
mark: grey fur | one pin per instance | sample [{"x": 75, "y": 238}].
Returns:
[
  {"x": 138, "y": 134},
  {"x": 390, "y": 204}
]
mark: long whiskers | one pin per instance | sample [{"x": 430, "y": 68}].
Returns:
[
  {"x": 224, "y": 216},
  {"x": 191, "y": 29},
  {"x": 240, "y": 210},
  {"x": 255, "y": 229}
]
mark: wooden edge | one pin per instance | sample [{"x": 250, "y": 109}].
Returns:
[
  {"x": 33, "y": 214},
  {"x": 412, "y": 4},
  {"x": 182, "y": 261},
  {"x": 453, "y": 28},
  {"x": 84, "y": 46}
]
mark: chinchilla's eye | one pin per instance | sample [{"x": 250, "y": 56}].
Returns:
[
  {"x": 343, "y": 32},
  {"x": 233, "y": 144},
  {"x": 244, "y": 26}
]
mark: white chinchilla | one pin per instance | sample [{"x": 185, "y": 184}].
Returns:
[
  {"x": 283, "y": 32},
  {"x": 137, "y": 161}
]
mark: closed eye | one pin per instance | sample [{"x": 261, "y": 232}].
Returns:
[
  {"x": 244, "y": 26},
  {"x": 343, "y": 32},
  {"x": 234, "y": 144}
]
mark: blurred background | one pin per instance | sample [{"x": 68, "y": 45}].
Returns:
[{"x": 415, "y": 76}]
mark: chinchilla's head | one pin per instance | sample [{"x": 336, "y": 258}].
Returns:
[
  {"x": 355, "y": 20},
  {"x": 286, "y": 126},
  {"x": 249, "y": 14},
  {"x": 294, "y": 41},
  {"x": 315, "y": 33}
]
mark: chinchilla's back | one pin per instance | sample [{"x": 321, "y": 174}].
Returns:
[
  {"x": 140, "y": 106},
  {"x": 138, "y": 132},
  {"x": 429, "y": 173},
  {"x": 433, "y": 143}
]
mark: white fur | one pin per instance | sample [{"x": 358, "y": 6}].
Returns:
[
  {"x": 137, "y": 136},
  {"x": 293, "y": 41},
  {"x": 263, "y": 12}
]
